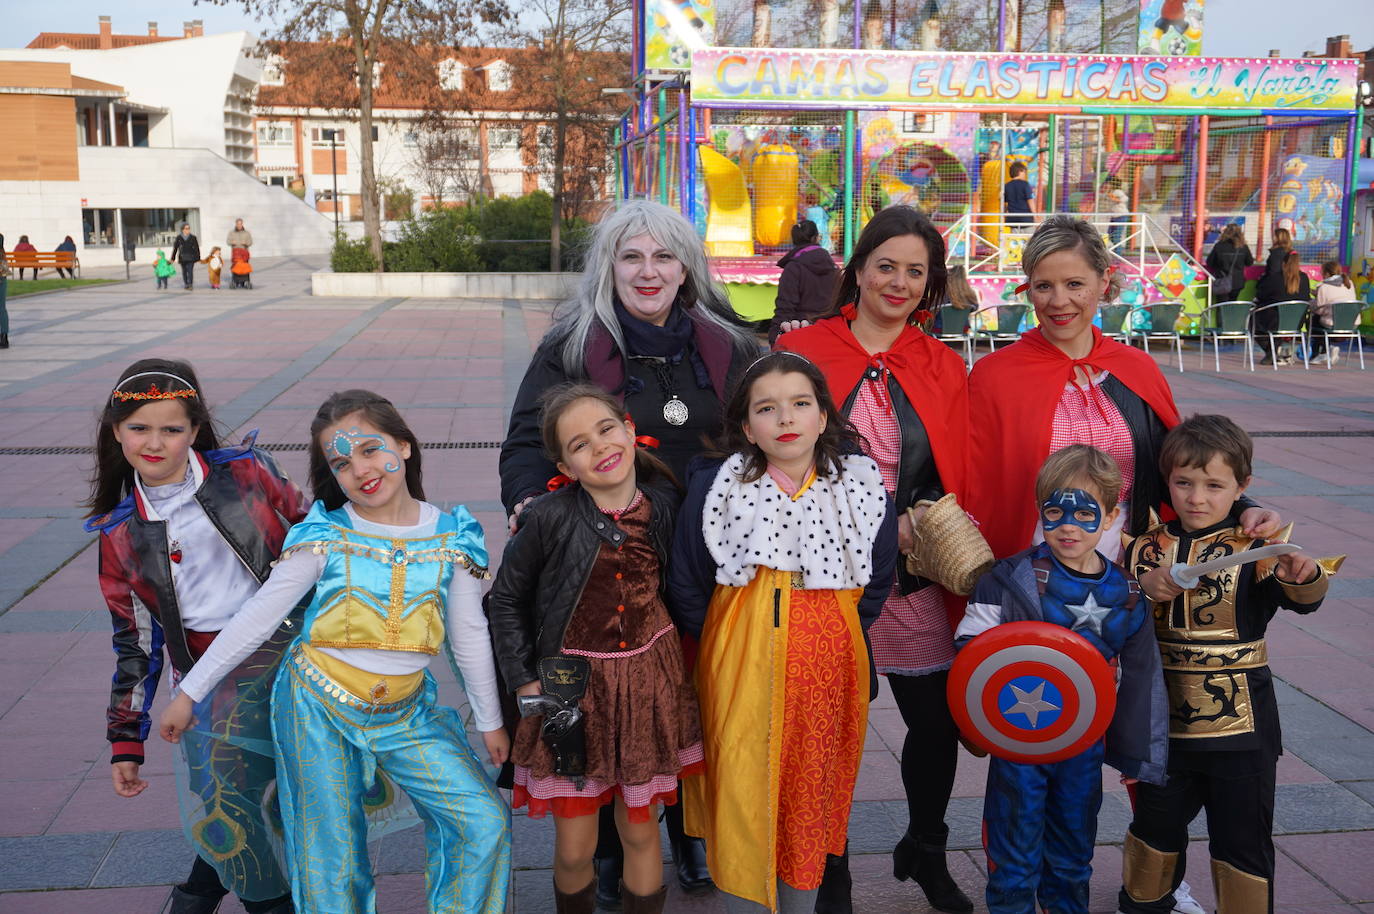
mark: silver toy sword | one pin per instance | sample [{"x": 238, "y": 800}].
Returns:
[{"x": 1187, "y": 576}]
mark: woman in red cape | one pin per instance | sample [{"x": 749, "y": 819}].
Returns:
[
  {"x": 906, "y": 393},
  {"x": 1064, "y": 383}
]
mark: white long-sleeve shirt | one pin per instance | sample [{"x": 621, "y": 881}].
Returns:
[{"x": 468, "y": 637}]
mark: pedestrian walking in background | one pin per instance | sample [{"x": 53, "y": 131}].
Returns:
[
  {"x": 240, "y": 237},
  {"x": 162, "y": 269},
  {"x": 806, "y": 289},
  {"x": 186, "y": 251},
  {"x": 214, "y": 264}
]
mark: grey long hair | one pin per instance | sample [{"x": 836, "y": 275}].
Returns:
[
  {"x": 1062, "y": 232},
  {"x": 703, "y": 300}
]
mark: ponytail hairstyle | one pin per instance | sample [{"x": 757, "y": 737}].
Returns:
[
  {"x": 560, "y": 398},
  {"x": 113, "y": 477},
  {"x": 379, "y": 412},
  {"x": 1332, "y": 268},
  {"x": 895, "y": 222},
  {"x": 1062, "y": 232},
  {"x": 1283, "y": 239},
  {"x": 1292, "y": 272},
  {"x": 837, "y": 439}
]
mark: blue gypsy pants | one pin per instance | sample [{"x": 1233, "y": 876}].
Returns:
[
  {"x": 329, "y": 750},
  {"x": 1039, "y": 828}
]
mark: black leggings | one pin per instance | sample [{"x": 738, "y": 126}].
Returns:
[
  {"x": 931, "y": 750},
  {"x": 204, "y": 882}
]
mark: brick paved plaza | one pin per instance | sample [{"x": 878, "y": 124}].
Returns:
[{"x": 269, "y": 356}]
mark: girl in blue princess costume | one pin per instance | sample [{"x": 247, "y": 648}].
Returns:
[
  {"x": 188, "y": 532},
  {"x": 395, "y": 582}
]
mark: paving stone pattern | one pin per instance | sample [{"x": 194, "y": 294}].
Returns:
[{"x": 268, "y": 356}]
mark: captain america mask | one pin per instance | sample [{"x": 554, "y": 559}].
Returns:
[{"x": 1071, "y": 506}]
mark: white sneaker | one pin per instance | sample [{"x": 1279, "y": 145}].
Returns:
[
  {"x": 1335, "y": 355},
  {"x": 1183, "y": 901}
]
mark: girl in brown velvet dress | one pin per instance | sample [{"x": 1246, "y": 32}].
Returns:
[{"x": 583, "y": 578}]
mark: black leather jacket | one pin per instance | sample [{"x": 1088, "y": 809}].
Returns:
[
  {"x": 545, "y": 568},
  {"x": 916, "y": 475}
]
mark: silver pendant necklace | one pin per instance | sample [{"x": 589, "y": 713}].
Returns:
[{"x": 675, "y": 412}]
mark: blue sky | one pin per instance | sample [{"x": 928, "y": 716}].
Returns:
[{"x": 1234, "y": 28}]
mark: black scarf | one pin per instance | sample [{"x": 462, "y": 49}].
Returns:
[{"x": 676, "y": 338}]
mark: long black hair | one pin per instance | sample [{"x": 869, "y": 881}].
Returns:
[
  {"x": 557, "y": 400},
  {"x": 837, "y": 439},
  {"x": 113, "y": 477},
  {"x": 378, "y": 411},
  {"x": 889, "y": 223}
]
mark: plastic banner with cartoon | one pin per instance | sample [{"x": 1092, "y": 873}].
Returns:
[
  {"x": 1171, "y": 27},
  {"x": 919, "y": 160},
  {"x": 674, "y": 28},
  {"x": 1309, "y": 204}
]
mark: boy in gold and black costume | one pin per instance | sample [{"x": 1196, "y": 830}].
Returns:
[{"x": 1224, "y": 739}]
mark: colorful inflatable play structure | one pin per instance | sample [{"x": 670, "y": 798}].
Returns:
[{"x": 1157, "y": 146}]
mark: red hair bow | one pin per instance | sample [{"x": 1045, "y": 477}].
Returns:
[
  {"x": 557, "y": 482},
  {"x": 920, "y": 316},
  {"x": 646, "y": 441}
]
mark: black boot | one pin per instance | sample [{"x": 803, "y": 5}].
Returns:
[
  {"x": 608, "y": 872},
  {"x": 183, "y": 902},
  {"x": 580, "y": 902},
  {"x": 836, "y": 884},
  {"x": 644, "y": 904},
  {"x": 4, "y": 341},
  {"x": 923, "y": 859},
  {"x": 689, "y": 854}
]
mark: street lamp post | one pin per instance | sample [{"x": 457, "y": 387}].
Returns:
[{"x": 334, "y": 168}]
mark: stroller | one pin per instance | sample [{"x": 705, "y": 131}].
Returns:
[{"x": 241, "y": 270}]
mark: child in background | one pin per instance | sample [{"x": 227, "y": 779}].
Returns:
[
  {"x": 1224, "y": 720},
  {"x": 1118, "y": 205},
  {"x": 1017, "y": 197},
  {"x": 162, "y": 269},
  {"x": 785, "y": 552},
  {"x": 396, "y": 581},
  {"x": 214, "y": 263},
  {"x": 581, "y": 589},
  {"x": 1040, "y": 820},
  {"x": 187, "y": 534}
]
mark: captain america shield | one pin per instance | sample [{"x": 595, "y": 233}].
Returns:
[{"x": 1031, "y": 692}]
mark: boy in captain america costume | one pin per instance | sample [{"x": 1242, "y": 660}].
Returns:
[{"x": 1040, "y": 820}]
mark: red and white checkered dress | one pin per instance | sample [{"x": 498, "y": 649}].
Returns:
[
  {"x": 1086, "y": 415},
  {"x": 912, "y": 636}
]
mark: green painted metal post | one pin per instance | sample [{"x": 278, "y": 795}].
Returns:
[
  {"x": 1348, "y": 249},
  {"x": 662, "y": 147},
  {"x": 849, "y": 186},
  {"x": 1047, "y": 179}
]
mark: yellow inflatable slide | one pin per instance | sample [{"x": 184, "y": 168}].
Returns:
[
  {"x": 775, "y": 193},
  {"x": 729, "y": 222}
]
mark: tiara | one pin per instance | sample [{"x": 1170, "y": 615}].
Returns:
[
  {"x": 768, "y": 355},
  {"x": 153, "y": 392}
]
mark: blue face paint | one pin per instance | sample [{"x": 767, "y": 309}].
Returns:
[
  {"x": 1071, "y": 506},
  {"x": 344, "y": 443}
]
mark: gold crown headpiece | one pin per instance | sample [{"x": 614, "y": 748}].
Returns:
[{"x": 153, "y": 392}]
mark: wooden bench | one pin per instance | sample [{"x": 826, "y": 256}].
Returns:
[{"x": 43, "y": 260}]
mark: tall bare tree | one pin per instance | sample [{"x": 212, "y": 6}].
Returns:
[
  {"x": 580, "y": 50},
  {"x": 762, "y": 35},
  {"x": 348, "y": 48}
]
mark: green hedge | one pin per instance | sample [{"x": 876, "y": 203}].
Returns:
[{"x": 504, "y": 235}]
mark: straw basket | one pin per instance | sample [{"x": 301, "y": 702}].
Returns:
[{"x": 948, "y": 548}]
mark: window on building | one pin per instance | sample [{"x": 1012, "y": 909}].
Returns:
[
  {"x": 410, "y": 139},
  {"x": 503, "y": 138},
  {"x": 320, "y": 136},
  {"x": 158, "y": 227},
  {"x": 450, "y": 74},
  {"x": 498, "y": 76},
  {"x": 98, "y": 225},
  {"x": 375, "y": 133},
  {"x": 276, "y": 133},
  {"x": 274, "y": 71}
]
